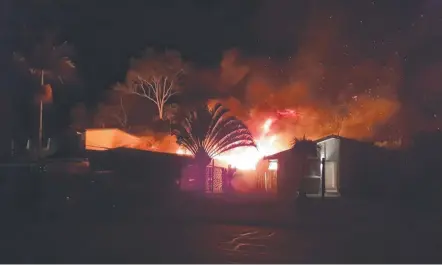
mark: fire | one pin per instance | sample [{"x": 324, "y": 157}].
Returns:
[
  {"x": 246, "y": 158},
  {"x": 183, "y": 151},
  {"x": 266, "y": 126},
  {"x": 273, "y": 165},
  {"x": 287, "y": 113}
]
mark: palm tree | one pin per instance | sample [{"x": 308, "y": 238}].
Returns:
[
  {"x": 207, "y": 133},
  {"x": 50, "y": 64}
]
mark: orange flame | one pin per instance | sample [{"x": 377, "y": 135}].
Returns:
[{"x": 246, "y": 158}]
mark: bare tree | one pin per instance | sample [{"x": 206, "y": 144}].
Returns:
[
  {"x": 171, "y": 114},
  {"x": 112, "y": 115},
  {"x": 155, "y": 77},
  {"x": 120, "y": 114}
]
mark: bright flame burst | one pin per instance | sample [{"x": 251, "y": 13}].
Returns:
[{"x": 246, "y": 158}]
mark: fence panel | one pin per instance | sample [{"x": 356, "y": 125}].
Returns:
[{"x": 213, "y": 182}]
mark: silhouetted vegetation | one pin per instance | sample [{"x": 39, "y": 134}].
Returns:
[
  {"x": 423, "y": 168},
  {"x": 207, "y": 133},
  {"x": 306, "y": 147}
]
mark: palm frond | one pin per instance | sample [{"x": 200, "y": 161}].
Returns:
[
  {"x": 52, "y": 60},
  {"x": 211, "y": 132}
]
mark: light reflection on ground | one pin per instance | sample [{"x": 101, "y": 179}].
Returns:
[{"x": 248, "y": 243}]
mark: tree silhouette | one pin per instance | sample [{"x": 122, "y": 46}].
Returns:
[
  {"x": 155, "y": 76},
  {"x": 305, "y": 147},
  {"x": 207, "y": 133},
  {"x": 51, "y": 64},
  {"x": 112, "y": 115}
]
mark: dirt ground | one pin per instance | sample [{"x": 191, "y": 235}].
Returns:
[{"x": 214, "y": 231}]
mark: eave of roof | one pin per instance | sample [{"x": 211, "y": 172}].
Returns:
[
  {"x": 331, "y": 136},
  {"x": 276, "y": 155}
]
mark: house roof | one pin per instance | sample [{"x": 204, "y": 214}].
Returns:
[
  {"x": 286, "y": 152},
  {"x": 108, "y": 138},
  {"x": 278, "y": 155},
  {"x": 331, "y": 136},
  {"x": 133, "y": 151}
]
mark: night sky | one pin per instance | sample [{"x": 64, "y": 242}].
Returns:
[{"x": 107, "y": 33}]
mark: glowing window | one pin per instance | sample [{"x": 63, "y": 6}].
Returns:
[{"x": 273, "y": 165}]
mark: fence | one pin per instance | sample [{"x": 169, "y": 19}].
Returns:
[
  {"x": 267, "y": 181},
  {"x": 215, "y": 180}
]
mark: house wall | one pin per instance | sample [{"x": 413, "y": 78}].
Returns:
[
  {"x": 70, "y": 144},
  {"x": 330, "y": 150},
  {"x": 289, "y": 175},
  {"x": 366, "y": 170},
  {"x": 352, "y": 168},
  {"x": 153, "y": 174}
]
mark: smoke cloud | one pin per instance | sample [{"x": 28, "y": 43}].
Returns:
[
  {"x": 329, "y": 82},
  {"x": 332, "y": 88}
]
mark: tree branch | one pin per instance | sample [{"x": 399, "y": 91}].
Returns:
[{"x": 158, "y": 90}]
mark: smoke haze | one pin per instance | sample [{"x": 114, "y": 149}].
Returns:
[{"x": 331, "y": 93}]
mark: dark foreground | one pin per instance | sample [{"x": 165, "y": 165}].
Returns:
[{"x": 334, "y": 231}]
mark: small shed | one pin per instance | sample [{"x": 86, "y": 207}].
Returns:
[
  {"x": 351, "y": 167},
  {"x": 355, "y": 167},
  {"x": 284, "y": 169}
]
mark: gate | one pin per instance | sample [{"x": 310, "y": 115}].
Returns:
[
  {"x": 214, "y": 179},
  {"x": 213, "y": 182}
]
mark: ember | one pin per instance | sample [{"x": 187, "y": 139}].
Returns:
[{"x": 287, "y": 113}]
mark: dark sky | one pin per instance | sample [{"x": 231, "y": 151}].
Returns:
[{"x": 107, "y": 33}]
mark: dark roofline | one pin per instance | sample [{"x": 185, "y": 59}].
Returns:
[
  {"x": 334, "y": 136},
  {"x": 149, "y": 152},
  {"x": 325, "y": 138},
  {"x": 276, "y": 155},
  {"x": 331, "y": 136}
]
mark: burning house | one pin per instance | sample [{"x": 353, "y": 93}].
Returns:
[{"x": 109, "y": 138}]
